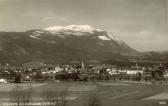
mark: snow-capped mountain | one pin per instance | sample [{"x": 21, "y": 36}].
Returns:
[
  {"x": 76, "y": 30},
  {"x": 80, "y": 30},
  {"x": 62, "y": 44}
]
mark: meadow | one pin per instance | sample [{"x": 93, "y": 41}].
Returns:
[{"x": 106, "y": 93}]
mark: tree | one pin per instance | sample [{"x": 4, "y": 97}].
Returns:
[
  {"x": 21, "y": 96},
  {"x": 18, "y": 77},
  {"x": 54, "y": 97}
]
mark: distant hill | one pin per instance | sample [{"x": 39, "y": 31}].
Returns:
[{"x": 144, "y": 59}]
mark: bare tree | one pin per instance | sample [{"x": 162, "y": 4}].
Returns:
[
  {"x": 49, "y": 98},
  {"x": 20, "y": 96},
  {"x": 63, "y": 94}
]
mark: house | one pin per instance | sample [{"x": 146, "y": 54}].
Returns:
[{"x": 3, "y": 81}]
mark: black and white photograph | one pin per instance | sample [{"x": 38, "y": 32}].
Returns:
[{"x": 83, "y": 52}]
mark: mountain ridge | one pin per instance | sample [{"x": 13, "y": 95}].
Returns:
[{"x": 62, "y": 46}]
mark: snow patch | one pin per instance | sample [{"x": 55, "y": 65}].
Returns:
[
  {"x": 39, "y": 32},
  {"x": 61, "y": 36},
  {"x": 80, "y": 30},
  {"x": 114, "y": 38},
  {"x": 32, "y": 36},
  {"x": 74, "y": 33},
  {"x": 55, "y": 28},
  {"x": 36, "y": 34},
  {"x": 35, "y": 37},
  {"x": 104, "y": 37},
  {"x": 73, "y": 28},
  {"x": 52, "y": 42},
  {"x": 99, "y": 30}
]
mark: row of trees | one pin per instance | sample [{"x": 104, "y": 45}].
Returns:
[
  {"x": 49, "y": 97},
  {"x": 20, "y": 96}
]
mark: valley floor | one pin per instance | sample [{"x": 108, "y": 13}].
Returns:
[{"x": 107, "y": 93}]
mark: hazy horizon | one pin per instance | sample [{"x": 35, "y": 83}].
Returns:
[{"x": 142, "y": 24}]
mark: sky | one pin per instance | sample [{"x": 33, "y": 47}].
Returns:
[{"x": 142, "y": 24}]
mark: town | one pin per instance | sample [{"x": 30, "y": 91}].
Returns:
[{"x": 39, "y": 72}]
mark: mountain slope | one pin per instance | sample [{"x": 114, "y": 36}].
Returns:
[{"x": 60, "y": 44}]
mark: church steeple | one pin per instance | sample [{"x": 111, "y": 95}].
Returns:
[{"x": 82, "y": 65}]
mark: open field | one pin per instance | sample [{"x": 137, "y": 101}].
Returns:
[{"x": 108, "y": 93}]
